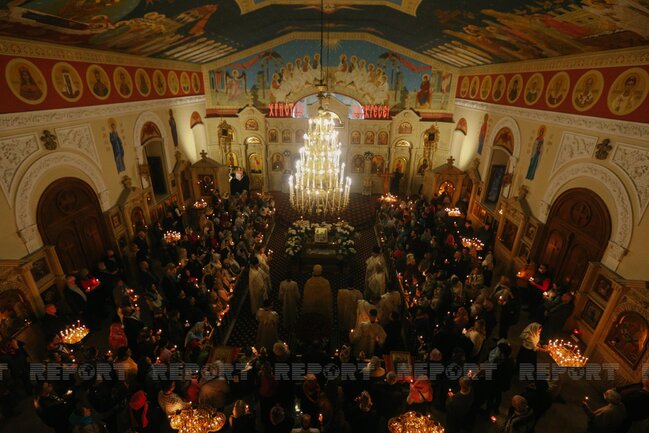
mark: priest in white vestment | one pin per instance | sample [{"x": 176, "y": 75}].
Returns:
[
  {"x": 390, "y": 302},
  {"x": 374, "y": 262},
  {"x": 289, "y": 296},
  {"x": 257, "y": 286},
  {"x": 367, "y": 336},
  {"x": 317, "y": 296},
  {"x": 376, "y": 284},
  {"x": 267, "y": 332},
  {"x": 363, "y": 310},
  {"x": 347, "y": 305}
]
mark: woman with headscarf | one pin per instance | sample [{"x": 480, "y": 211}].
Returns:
[
  {"x": 138, "y": 407},
  {"x": 420, "y": 395},
  {"x": 530, "y": 338}
]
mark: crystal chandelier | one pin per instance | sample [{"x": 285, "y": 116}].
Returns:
[{"x": 319, "y": 185}]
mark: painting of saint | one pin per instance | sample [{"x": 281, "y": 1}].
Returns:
[
  {"x": 185, "y": 85},
  {"x": 67, "y": 82},
  {"x": 628, "y": 91},
  {"x": 464, "y": 87},
  {"x": 537, "y": 148},
  {"x": 533, "y": 89},
  {"x": 383, "y": 138},
  {"x": 29, "y": 90},
  {"x": 255, "y": 163},
  {"x": 399, "y": 165},
  {"x": 629, "y": 337},
  {"x": 483, "y": 133},
  {"x": 98, "y": 82},
  {"x": 485, "y": 87},
  {"x": 231, "y": 159},
  {"x": 587, "y": 90},
  {"x": 116, "y": 144},
  {"x": 495, "y": 182},
  {"x": 557, "y": 89},
  {"x": 514, "y": 88},
  {"x": 174, "y": 85},
  {"x": 235, "y": 84},
  {"x": 142, "y": 82},
  {"x": 272, "y": 136},
  {"x": 424, "y": 92},
  {"x": 159, "y": 82},
  {"x": 196, "y": 84},
  {"x": 473, "y": 92},
  {"x": 422, "y": 166},
  {"x": 195, "y": 119},
  {"x": 378, "y": 164},
  {"x": 369, "y": 137},
  {"x": 405, "y": 128},
  {"x": 286, "y": 136},
  {"x": 278, "y": 162},
  {"x": 358, "y": 164},
  {"x": 172, "y": 126},
  {"x": 356, "y": 137},
  {"x": 499, "y": 87},
  {"x": 122, "y": 81}
]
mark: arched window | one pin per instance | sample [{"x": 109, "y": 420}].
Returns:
[{"x": 502, "y": 151}]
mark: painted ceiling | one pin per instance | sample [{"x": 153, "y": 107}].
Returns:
[{"x": 460, "y": 33}]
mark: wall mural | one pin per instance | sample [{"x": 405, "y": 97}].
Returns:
[
  {"x": 361, "y": 70},
  {"x": 480, "y": 32},
  {"x": 619, "y": 92},
  {"x": 43, "y": 84}
]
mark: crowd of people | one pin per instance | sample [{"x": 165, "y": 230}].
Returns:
[{"x": 425, "y": 297}]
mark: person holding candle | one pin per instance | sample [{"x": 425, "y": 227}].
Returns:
[
  {"x": 527, "y": 354},
  {"x": 520, "y": 418},
  {"x": 607, "y": 418}
]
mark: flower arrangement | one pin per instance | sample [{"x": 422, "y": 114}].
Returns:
[{"x": 341, "y": 233}]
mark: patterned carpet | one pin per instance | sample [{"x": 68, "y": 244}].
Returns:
[{"x": 360, "y": 214}]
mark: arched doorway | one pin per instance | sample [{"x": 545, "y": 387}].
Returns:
[
  {"x": 69, "y": 217},
  {"x": 577, "y": 232}
]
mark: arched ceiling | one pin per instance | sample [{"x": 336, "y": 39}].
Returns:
[{"x": 460, "y": 33}]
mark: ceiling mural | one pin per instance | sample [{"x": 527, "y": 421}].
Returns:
[
  {"x": 364, "y": 71},
  {"x": 475, "y": 33}
]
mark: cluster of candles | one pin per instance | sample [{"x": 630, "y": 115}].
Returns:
[
  {"x": 565, "y": 354},
  {"x": 413, "y": 422},
  {"x": 198, "y": 420},
  {"x": 453, "y": 213},
  {"x": 473, "y": 243},
  {"x": 389, "y": 198},
  {"x": 171, "y": 237},
  {"x": 200, "y": 204},
  {"x": 133, "y": 297},
  {"x": 74, "y": 333}
]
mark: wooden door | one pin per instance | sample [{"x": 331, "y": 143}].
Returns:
[
  {"x": 70, "y": 218},
  {"x": 577, "y": 232}
]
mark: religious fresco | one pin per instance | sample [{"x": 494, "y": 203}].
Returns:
[
  {"x": 614, "y": 91},
  {"x": 42, "y": 84},
  {"x": 373, "y": 76},
  {"x": 201, "y": 31}
]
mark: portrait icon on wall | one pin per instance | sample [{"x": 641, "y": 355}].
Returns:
[
  {"x": 464, "y": 87},
  {"x": 231, "y": 159},
  {"x": 142, "y": 82},
  {"x": 67, "y": 82},
  {"x": 206, "y": 182},
  {"x": 273, "y": 136},
  {"x": 356, "y": 137},
  {"x": 185, "y": 84},
  {"x": 196, "y": 83},
  {"x": 174, "y": 85},
  {"x": 277, "y": 162},
  {"x": 358, "y": 164},
  {"x": 603, "y": 289},
  {"x": 533, "y": 89},
  {"x": 252, "y": 125},
  {"x": 369, "y": 137},
  {"x": 98, "y": 82},
  {"x": 405, "y": 128},
  {"x": 423, "y": 165},
  {"x": 557, "y": 89},
  {"x": 628, "y": 91},
  {"x": 499, "y": 88},
  {"x": 26, "y": 81},
  {"x": 399, "y": 164},
  {"x": 255, "y": 164},
  {"x": 485, "y": 87},
  {"x": 122, "y": 81},
  {"x": 320, "y": 236},
  {"x": 286, "y": 136},
  {"x": 159, "y": 82},
  {"x": 378, "y": 164},
  {"x": 473, "y": 91},
  {"x": 383, "y": 138},
  {"x": 591, "y": 314},
  {"x": 629, "y": 336},
  {"x": 588, "y": 90},
  {"x": 514, "y": 88}
]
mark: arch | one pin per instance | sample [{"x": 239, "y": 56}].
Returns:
[
  {"x": 505, "y": 122},
  {"x": 142, "y": 119},
  {"x": 622, "y": 225},
  {"x": 40, "y": 169}
]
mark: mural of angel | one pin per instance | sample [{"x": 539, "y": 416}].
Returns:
[{"x": 235, "y": 84}]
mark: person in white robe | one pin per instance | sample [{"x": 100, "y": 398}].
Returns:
[
  {"x": 267, "y": 332},
  {"x": 317, "y": 295},
  {"x": 347, "y": 304},
  {"x": 376, "y": 284},
  {"x": 363, "y": 310},
  {"x": 289, "y": 296},
  {"x": 257, "y": 286},
  {"x": 390, "y": 302},
  {"x": 367, "y": 336},
  {"x": 374, "y": 262}
]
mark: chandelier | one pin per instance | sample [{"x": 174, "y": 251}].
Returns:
[
  {"x": 198, "y": 420},
  {"x": 319, "y": 185}
]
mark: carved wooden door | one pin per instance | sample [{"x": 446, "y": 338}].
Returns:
[
  {"x": 577, "y": 232},
  {"x": 70, "y": 218}
]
